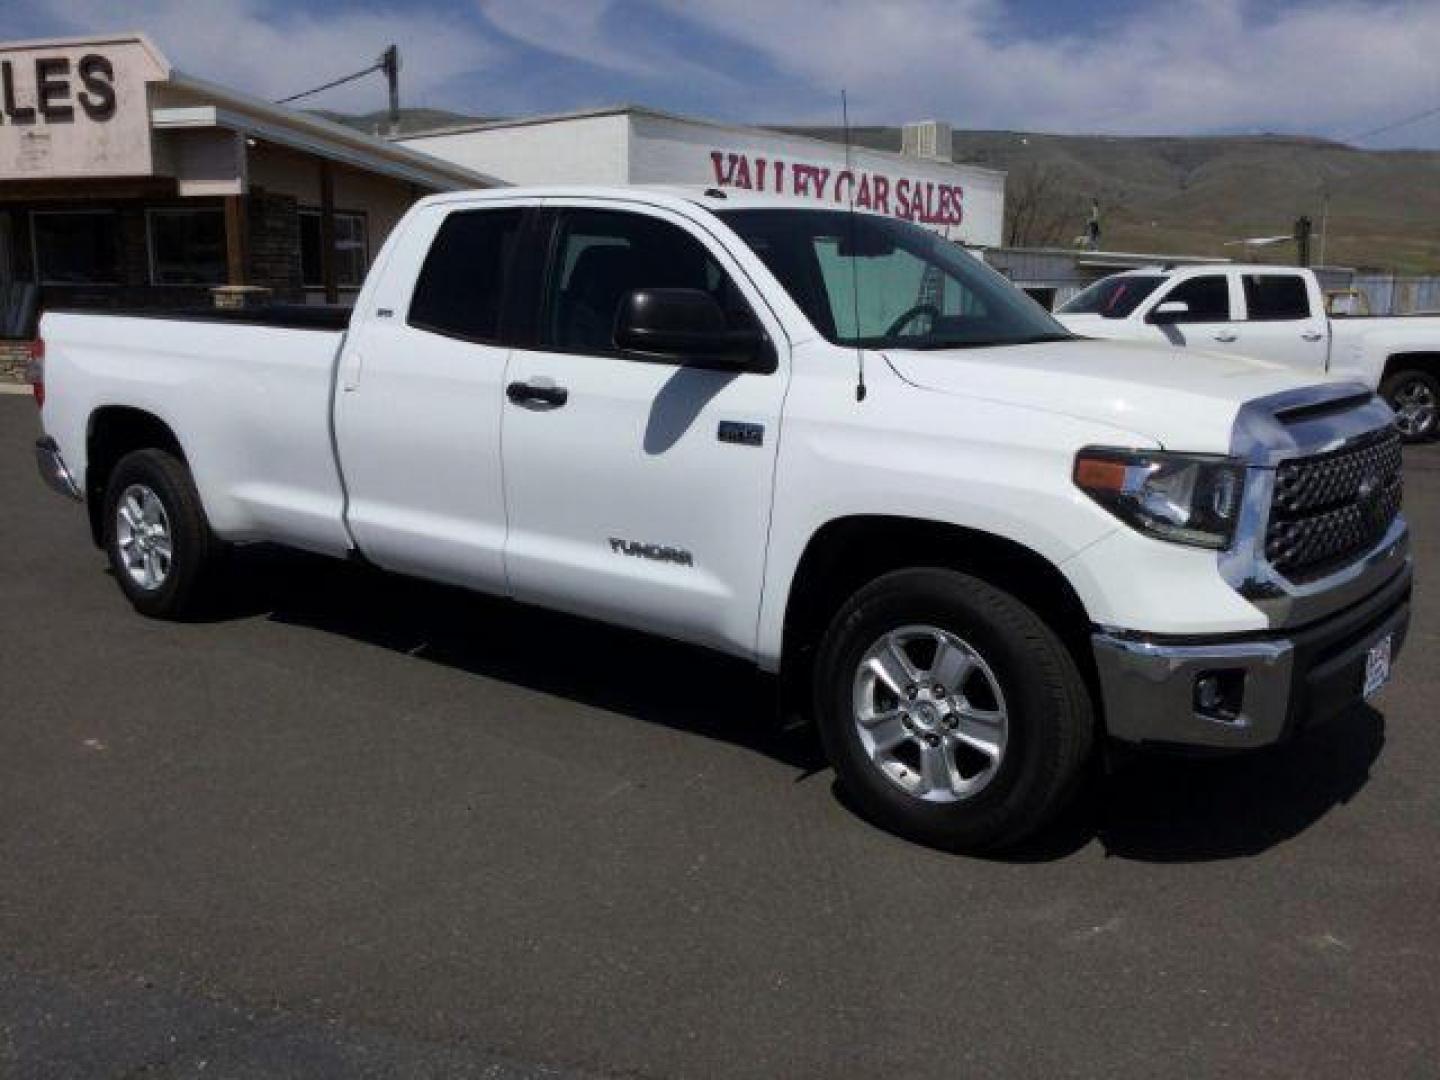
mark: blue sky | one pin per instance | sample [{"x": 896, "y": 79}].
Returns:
[{"x": 1331, "y": 68}]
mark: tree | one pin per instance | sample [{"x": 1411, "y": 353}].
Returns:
[{"x": 1040, "y": 209}]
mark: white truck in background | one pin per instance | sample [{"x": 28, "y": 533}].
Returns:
[
  {"x": 971, "y": 544},
  {"x": 1271, "y": 313}
]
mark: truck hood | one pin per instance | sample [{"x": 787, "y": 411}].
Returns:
[
  {"x": 1085, "y": 322},
  {"x": 1183, "y": 399}
]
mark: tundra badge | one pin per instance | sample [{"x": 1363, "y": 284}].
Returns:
[{"x": 658, "y": 552}]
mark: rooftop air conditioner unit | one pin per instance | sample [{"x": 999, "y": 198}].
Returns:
[{"x": 930, "y": 139}]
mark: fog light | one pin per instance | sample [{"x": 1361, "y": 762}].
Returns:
[{"x": 1220, "y": 694}]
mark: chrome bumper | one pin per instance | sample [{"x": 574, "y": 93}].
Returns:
[
  {"x": 1269, "y": 686},
  {"x": 53, "y": 471}
]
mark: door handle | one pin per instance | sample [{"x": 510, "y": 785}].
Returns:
[
  {"x": 354, "y": 364},
  {"x": 1227, "y": 335},
  {"x": 537, "y": 393},
  {"x": 1312, "y": 335}
]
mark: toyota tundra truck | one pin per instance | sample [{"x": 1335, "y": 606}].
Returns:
[
  {"x": 1272, "y": 313},
  {"x": 975, "y": 547}
]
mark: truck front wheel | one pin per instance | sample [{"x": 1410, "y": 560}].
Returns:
[
  {"x": 160, "y": 546},
  {"x": 1415, "y": 397},
  {"x": 951, "y": 713}
]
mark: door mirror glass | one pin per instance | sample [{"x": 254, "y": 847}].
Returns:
[
  {"x": 1170, "y": 311},
  {"x": 687, "y": 325}
]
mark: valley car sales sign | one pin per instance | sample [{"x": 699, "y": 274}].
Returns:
[
  {"x": 71, "y": 108},
  {"x": 961, "y": 202},
  {"x": 925, "y": 201}
]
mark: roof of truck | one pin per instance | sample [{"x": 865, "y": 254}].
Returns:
[{"x": 672, "y": 195}]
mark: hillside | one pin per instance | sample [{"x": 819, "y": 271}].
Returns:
[
  {"x": 1183, "y": 195},
  {"x": 1191, "y": 195},
  {"x": 411, "y": 120}
]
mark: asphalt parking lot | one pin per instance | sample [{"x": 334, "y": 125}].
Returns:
[{"x": 365, "y": 826}]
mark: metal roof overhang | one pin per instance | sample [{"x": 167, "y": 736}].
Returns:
[{"x": 254, "y": 118}]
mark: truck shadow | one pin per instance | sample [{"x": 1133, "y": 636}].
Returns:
[
  {"x": 1150, "y": 807},
  {"x": 1164, "y": 808},
  {"x": 622, "y": 671}
]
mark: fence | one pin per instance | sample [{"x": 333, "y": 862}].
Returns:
[{"x": 1391, "y": 294}]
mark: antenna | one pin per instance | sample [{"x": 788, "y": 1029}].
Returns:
[{"x": 854, "y": 267}]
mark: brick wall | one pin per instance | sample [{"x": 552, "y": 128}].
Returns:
[
  {"x": 274, "y": 245},
  {"x": 14, "y": 355}
]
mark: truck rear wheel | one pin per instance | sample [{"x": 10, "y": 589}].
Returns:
[
  {"x": 1414, "y": 395},
  {"x": 952, "y": 714},
  {"x": 160, "y": 546}
]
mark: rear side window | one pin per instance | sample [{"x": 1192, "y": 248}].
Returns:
[
  {"x": 461, "y": 287},
  {"x": 1276, "y": 297},
  {"x": 1208, "y": 297}
]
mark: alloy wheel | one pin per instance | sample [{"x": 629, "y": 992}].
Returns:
[
  {"x": 930, "y": 713},
  {"x": 142, "y": 533}
]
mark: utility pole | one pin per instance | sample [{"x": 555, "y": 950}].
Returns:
[
  {"x": 390, "y": 65},
  {"x": 1324, "y": 219},
  {"x": 1303, "y": 229}
]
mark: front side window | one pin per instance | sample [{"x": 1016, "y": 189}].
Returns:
[
  {"x": 1113, "y": 297},
  {"x": 866, "y": 280},
  {"x": 76, "y": 247},
  {"x": 1208, "y": 298},
  {"x": 352, "y": 249},
  {"x": 460, "y": 290},
  {"x": 601, "y": 256},
  {"x": 187, "y": 247},
  {"x": 1276, "y": 297}
]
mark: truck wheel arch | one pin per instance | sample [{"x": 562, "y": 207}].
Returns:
[
  {"x": 1406, "y": 361},
  {"x": 847, "y": 553},
  {"x": 112, "y": 432}
]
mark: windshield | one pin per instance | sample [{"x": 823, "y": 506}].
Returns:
[
  {"x": 1113, "y": 297},
  {"x": 880, "y": 282}
]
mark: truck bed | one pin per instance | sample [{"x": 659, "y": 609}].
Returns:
[{"x": 246, "y": 393}]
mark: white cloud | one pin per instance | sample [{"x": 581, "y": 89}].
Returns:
[
  {"x": 1325, "y": 67},
  {"x": 1203, "y": 65},
  {"x": 274, "y": 49},
  {"x": 597, "y": 33}
]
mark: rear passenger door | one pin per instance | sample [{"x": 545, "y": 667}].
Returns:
[
  {"x": 418, "y": 398},
  {"x": 1209, "y": 321},
  {"x": 639, "y": 490},
  {"x": 1283, "y": 322}
]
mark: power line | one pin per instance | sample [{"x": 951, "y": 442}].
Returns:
[
  {"x": 1391, "y": 127},
  {"x": 377, "y": 66}
]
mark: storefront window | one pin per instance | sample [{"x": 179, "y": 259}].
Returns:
[
  {"x": 352, "y": 250},
  {"x": 76, "y": 247},
  {"x": 187, "y": 247}
]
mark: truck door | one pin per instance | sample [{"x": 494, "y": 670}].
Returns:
[
  {"x": 1209, "y": 318},
  {"x": 418, "y": 399},
  {"x": 638, "y": 491},
  {"x": 1283, "y": 322}
]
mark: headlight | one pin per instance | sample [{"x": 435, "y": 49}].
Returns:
[{"x": 1183, "y": 498}]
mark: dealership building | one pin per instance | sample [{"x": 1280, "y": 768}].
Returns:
[
  {"x": 126, "y": 183},
  {"x": 633, "y": 145}
]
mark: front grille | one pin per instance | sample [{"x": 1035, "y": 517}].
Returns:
[{"x": 1329, "y": 508}]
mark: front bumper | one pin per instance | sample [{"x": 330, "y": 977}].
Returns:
[
  {"x": 53, "y": 470},
  {"x": 1275, "y": 683}
]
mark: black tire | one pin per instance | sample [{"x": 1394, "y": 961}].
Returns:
[
  {"x": 195, "y": 552},
  {"x": 1408, "y": 381},
  {"x": 1051, "y": 716}
]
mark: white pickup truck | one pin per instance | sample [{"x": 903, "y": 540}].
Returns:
[
  {"x": 1271, "y": 313},
  {"x": 972, "y": 544}
]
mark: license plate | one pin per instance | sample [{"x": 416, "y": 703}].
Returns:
[{"x": 1377, "y": 666}]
